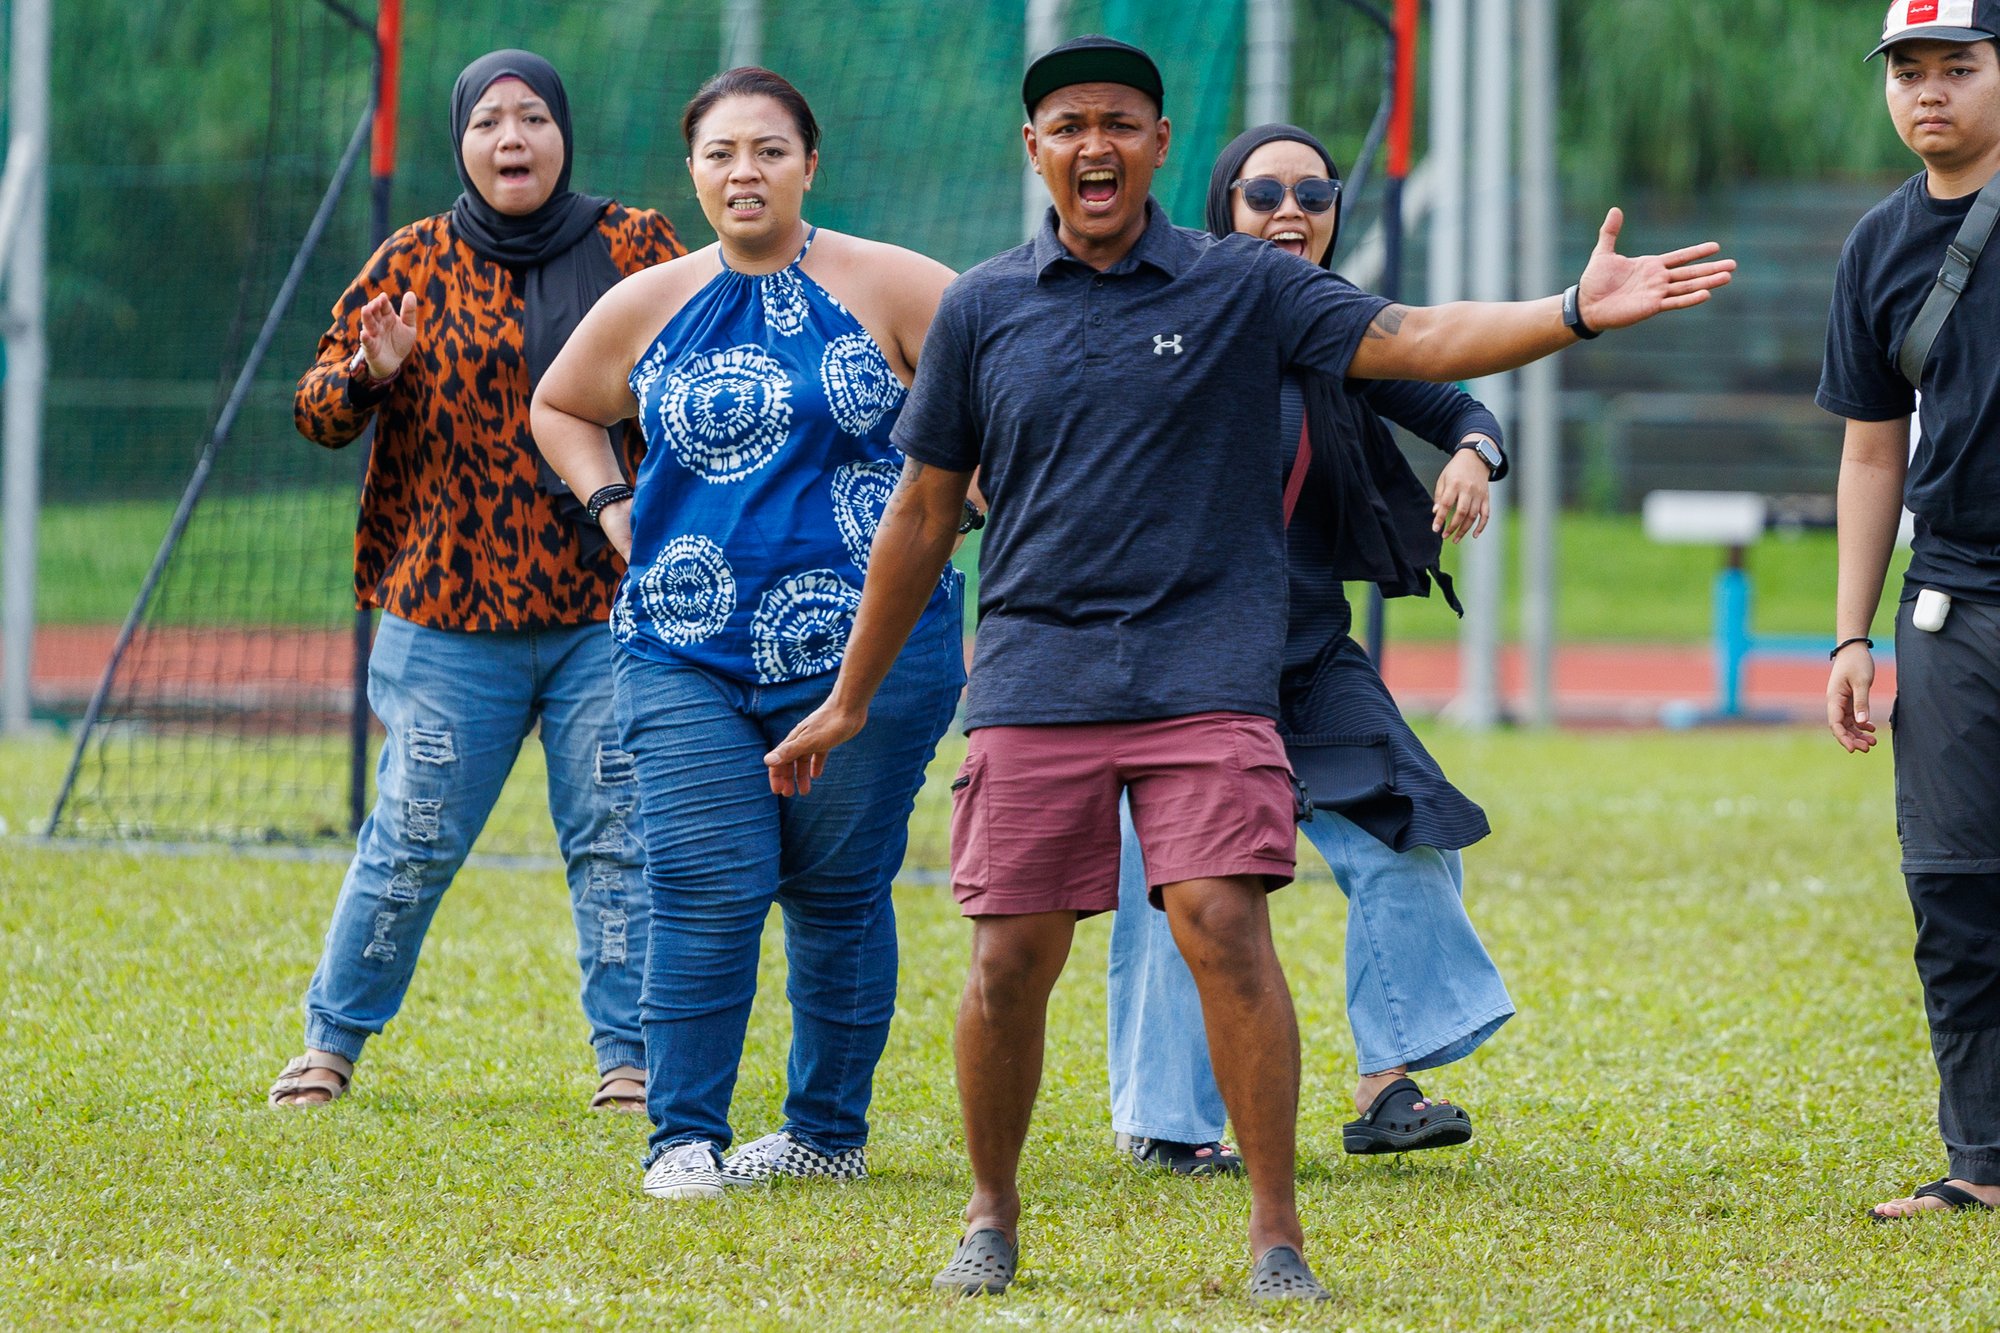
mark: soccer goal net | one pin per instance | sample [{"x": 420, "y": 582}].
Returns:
[{"x": 231, "y": 710}]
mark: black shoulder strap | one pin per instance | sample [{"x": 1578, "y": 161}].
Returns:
[{"x": 1959, "y": 257}]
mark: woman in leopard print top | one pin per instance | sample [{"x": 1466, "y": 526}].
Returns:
[
  {"x": 454, "y": 532},
  {"x": 493, "y": 586}
]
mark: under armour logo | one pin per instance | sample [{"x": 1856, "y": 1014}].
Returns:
[{"x": 1162, "y": 344}]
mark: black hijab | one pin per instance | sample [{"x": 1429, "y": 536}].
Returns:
[
  {"x": 1229, "y": 167},
  {"x": 1377, "y": 512},
  {"x": 563, "y": 259}
]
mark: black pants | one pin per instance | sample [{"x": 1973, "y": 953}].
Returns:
[
  {"x": 1947, "y": 747},
  {"x": 1958, "y": 957}
]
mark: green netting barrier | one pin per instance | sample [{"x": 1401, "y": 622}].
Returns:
[{"x": 193, "y": 144}]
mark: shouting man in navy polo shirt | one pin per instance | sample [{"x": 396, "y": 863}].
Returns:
[{"x": 1116, "y": 382}]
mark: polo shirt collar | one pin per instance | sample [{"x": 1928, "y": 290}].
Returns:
[{"x": 1161, "y": 245}]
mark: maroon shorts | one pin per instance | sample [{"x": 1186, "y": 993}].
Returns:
[{"x": 1034, "y": 813}]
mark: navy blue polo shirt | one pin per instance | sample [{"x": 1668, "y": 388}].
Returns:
[{"x": 1133, "y": 563}]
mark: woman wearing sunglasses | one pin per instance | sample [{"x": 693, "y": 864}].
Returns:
[{"x": 1421, "y": 989}]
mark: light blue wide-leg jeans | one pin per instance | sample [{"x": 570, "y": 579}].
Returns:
[
  {"x": 456, "y": 707},
  {"x": 1421, "y": 989}
]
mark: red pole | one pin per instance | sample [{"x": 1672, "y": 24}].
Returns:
[
  {"x": 389, "y": 49},
  {"x": 1402, "y": 114}
]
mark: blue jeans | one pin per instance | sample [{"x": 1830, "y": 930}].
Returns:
[
  {"x": 1421, "y": 990},
  {"x": 457, "y": 707},
  {"x": 720, "y": 849}
]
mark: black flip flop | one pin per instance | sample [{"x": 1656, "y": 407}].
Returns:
[
  {"x": 983, "y": 1265},
  {"x": 1394, "y": 1124},
  {"x": 1953, "y": 1198}
]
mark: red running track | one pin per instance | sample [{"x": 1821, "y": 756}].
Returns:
[{"x": 1614, "y": 684}]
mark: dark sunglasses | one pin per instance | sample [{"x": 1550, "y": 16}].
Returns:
[{"x": 1266, "y": 194}]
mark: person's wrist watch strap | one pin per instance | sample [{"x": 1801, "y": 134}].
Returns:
[
  {"x": 1573, "y": 313},
  {"x": 1494, "y": 470}
]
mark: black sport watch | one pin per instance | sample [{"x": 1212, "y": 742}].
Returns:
[
  {"x": 1489, "y": 454},
  {"x": 1573, "y": 314},
  {"x": 971, "y": 519}
]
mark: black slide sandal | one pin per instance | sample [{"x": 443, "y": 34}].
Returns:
[{"x": 1394, "y": 1124}]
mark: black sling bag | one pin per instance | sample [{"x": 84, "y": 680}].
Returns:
[{"x": 1959, "y": 258}]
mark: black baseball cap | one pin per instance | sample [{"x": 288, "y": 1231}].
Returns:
[
  {"x": 1094, "y": 59},
  {"x": 1939, "y": 21}
]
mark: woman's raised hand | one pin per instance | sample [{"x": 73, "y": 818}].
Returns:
[{"x": 388, "y": 332}]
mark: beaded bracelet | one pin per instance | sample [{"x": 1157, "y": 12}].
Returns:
[{"x": 604, "y": 497}]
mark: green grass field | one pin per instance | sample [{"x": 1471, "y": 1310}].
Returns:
[
  {"x": 1720, "y": 1061},
  {"x": 1613, "y": 584}
]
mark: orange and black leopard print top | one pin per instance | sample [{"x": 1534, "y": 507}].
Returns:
[{"x": 453, "y": 532}]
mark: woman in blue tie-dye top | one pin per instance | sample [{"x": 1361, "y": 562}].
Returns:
[{"x": 765, "y": 371}]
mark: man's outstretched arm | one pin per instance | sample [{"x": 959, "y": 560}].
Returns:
[
  {"x": 1469, "y": 339},
  {"x": 918, "y": 529}
]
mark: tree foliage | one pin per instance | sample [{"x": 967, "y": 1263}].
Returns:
[
  {"x": 164, "y": 135},
  {"x": 1687, "y": 94}
]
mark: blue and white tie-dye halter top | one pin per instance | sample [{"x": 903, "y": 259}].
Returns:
[{"x": 767, "y": 410}]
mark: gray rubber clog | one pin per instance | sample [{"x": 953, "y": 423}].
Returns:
[
  {"x": 1282, "y": 1275},
  {"x": 983, "y": 1265}
]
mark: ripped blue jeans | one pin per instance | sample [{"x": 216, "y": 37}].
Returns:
[{"x": 457, "y": 707}]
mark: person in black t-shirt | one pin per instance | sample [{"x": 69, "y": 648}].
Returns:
[{"x": 1944, "y": 97}]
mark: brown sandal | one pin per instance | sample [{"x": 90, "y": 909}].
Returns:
[
  {"x": 629, "y": 1103},
  {"x": 292, "y": 1085}
]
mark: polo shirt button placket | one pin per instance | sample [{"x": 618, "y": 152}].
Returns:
[{"x": 1096, "y": 320}]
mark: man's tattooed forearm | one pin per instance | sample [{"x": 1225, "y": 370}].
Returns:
[{"x": 1389, "y": 323}]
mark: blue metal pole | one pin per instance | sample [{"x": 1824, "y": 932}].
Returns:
[{"x": 1732, "y": 634}]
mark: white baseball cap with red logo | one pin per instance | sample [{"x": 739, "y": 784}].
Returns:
[{"x": 1939, "y": 21}]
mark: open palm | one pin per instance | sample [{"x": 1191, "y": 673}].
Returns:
[
  {"x": 1621, "y": 290},
  {"x": 388, "y": 332}
]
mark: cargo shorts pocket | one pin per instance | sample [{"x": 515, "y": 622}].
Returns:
[
  {"x": 970, "y": 851},
  {"x": 1266, "y": 781}
]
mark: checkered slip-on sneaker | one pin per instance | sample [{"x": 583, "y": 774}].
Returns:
[
  {"x": 685, "y": 1171},
  {"x": 781, "y": 1157}
]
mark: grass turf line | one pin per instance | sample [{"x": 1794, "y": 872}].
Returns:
[{"x": 1720, "y": 1061}]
